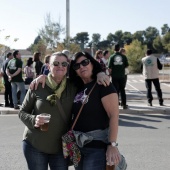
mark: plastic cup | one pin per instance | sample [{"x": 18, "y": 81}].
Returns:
[{"x": 46, "y": 117}]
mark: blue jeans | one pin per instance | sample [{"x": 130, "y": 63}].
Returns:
[
  {"x": 37, "y": 160},
  {"x": 15, "y": 86},
  {"x": 92, "y": 159}
]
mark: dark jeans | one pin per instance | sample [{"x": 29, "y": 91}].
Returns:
[
  {"x": 92, "y": 159},
  {"x": 28, "y": 80},
  {"x": 119, "y": 84},
  {"x": 148, "y": 84},
  {"x": 8, "y": 93},
  {"x": 37, "y": 160}
]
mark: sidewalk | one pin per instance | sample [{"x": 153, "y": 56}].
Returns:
[{"x": 138, "y": 106}]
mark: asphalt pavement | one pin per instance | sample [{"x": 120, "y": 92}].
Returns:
[{"x": 143, "y": 137}]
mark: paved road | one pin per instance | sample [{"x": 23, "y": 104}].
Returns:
[
  {"x": 144, "y": 133},
  {"x": 144, "y": 139}
]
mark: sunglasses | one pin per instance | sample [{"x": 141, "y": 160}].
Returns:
[
  {"x": 63, "y": 64},
  {"x": 83, "y": 63}
]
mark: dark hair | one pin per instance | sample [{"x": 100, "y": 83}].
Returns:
[
  {"x": 15, "y": 53},
  {"x": 117, "y": 47},
  {"x": 97, "y": 53},
  {"x": 9, "y": 54},
  {"x": 29, "y": 61},
  {"x": 36, "y": 56},
  {"x": 72, "y": 73},
  {"x": 149, "y": 52},
  {"x": 47, "y": 59},
  {"x": 105, "y": 52}
]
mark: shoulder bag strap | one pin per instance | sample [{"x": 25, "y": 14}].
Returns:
[{"x": 82, "y": 107}]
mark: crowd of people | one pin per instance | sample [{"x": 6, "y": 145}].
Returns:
[{"x": 67, "y": 84}]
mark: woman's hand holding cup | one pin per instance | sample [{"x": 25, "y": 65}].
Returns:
[{"x": 42, "y": 121}]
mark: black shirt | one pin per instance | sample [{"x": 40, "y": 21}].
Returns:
[{"x": 93, "y": 115}]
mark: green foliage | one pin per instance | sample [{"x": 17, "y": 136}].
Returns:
[
  {"x": 165, "y": 29},
  {"x": 96, "y": 38},
  {"x": 103, "y": 45},
  {"x": 51, "y": 32},
  {"x": 157, "y": 45},
  {"x": 127, "y": 38},
  {"x": 166, "y": 41},
  {"x": 81, "y": 38},
  {"x": 139, "y": 35},
  {"x": 136, "y": 43},
  {"x": 150, "y": 34},
  {"x": 1, "y": 86},
  {"x": 134, "y": 52}
]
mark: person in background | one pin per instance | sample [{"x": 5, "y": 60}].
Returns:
[
  {"x": 45, "y": 148},
  {"x": 14, "y": 72},
  {"x": 105, "y": 59},
  {"x": 98, "y": 118},
  {"x": 37, "y": 64},
  {"x": 117, "y": 65},
  {"x": 98, "y": 57},
  {"x": 45, "y": 67},
  {"x": 123, "y": 52},
  {"x": 28, "y": 70},
  {"x": 67, "y": 53},
  {"x": 151, "y": 66},
  {"x": 7, "y": 83}
]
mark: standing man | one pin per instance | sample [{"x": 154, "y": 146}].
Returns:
[
  {"x": 14, "y": 72},
  {"x": 7, "y": 83},
  {"x": 117, "y": 65},
  {"x": 151, "y": 67}
]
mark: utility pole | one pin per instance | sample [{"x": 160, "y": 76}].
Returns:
[{"x": 68, "y": 24}]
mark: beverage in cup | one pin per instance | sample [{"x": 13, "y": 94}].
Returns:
[{"x": 46, "y": 117}]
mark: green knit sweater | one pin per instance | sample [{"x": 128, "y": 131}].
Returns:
[{"x": 35, "y": 103}]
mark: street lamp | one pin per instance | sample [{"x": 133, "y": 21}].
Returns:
[{"x": 68, "y": 24}]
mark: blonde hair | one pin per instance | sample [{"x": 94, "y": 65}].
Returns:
[{"x": 122, "y": 50}]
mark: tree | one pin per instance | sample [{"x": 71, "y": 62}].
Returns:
[
  {"x": 166, "y": 41},
  {"x": 116, "y": 38},
  {"x": 40, "y": 47},
  {"x": 103, "y": 44},
  {"x": 81, "y": 38},
  {"x": 111, "y": 38},
  {"x": 7, "y": 43},
  {"x": 158, "y": 46},
  {"x": 134, "y": 52},
  {"x": 96, "y": 38},
  {"x": 139, "y": 35},
  {"x": 150, "y": 34},
  {"x": 37, "y": 39},
  {"x": 51, "y": 32},
  {"x": 127, "y": 38},
  {"x": 165, "y": 29}
]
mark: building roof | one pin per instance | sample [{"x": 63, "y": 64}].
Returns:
[{"x": 22, "y": 51}]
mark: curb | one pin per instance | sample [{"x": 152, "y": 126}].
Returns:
[
  {"x": 6, "y": 111},
  {"x": 145, "y": 109},
  {"x": 142, "y": 109}
]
